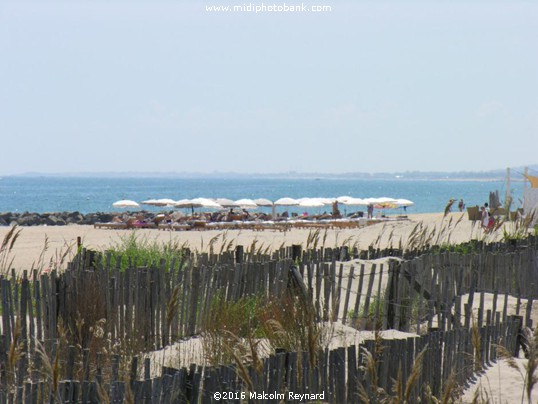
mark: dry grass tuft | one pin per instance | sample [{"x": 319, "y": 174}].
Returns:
[
  {"x": 532, "y": 362},
  {"x": 477, "y": 345},
  {"x": 448, "y": 207},
  {"x": 173, "y": 305},
  {"x": 416, "y": 371},
  {"x": 6, "y": 260},
  {"x": 14, "y": 354}
]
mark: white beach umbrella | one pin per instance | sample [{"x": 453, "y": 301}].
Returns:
[
  {"x": 246, "y": 203},
  {"x": 207, "y": 203},
  {"x": 355, "y": 202},
  {"x": 266, "y": 202},
  {"x": 187, "y": 203},
  {"x": 125, "y": 203},
  {"x": 311, "y": 203},
  {"x": 263, "y": 202},
  {"x": 286, "y": 202},
  {"x": 226, "y": 203},
  {"x": 166, "y": 202},
  {"x": 385, "y": 199},
  {"x": 197, "y": 203},
  {"x": 385, "y": 202},
  {"x": 327, "y": 201},
  {"x": 404, "y": 202},
  {"x": 343, "y": 199},
  {"x": 151, "y": 202},
  {"x": 370, "y": 201},
  {"x": 159, "y": 202},
  {"x": 382, "y": 203}
]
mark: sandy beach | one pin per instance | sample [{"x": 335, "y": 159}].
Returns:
[{"x": 38, "y": 245}]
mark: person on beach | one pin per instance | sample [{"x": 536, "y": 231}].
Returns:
[
  {"x": 370, "y": 211},
  {"x": 485, "y": 217},
  {"x": 461, "y": 205},
  {"x": 336, "y": 211},
  {"x": 491, "y": 223},
  {"x": 117, "y": 219}
]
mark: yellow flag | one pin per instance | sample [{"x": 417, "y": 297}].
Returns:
[{"x": 533, "y": 180}]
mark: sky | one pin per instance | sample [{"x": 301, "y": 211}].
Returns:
[{"x": 171, "y": 86}]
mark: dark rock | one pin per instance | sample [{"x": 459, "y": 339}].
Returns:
[
  {"x": 58, "y": 218},
  {"x": 58, "y": 221},
  {"x": 28, "y": 220},
  {"x": 6, "y": 216},
  {"x": 74, "y": 219}
]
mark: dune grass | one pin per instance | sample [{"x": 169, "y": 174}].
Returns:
[{"x": 134, "y": 250}]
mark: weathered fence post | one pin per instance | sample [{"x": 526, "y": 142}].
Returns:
[{"x": 239, "y": 254}]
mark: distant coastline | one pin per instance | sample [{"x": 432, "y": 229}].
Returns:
[{"x": 492, "y": 175}]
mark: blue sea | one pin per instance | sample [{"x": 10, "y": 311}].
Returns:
[{"x": 87, "y": 195}]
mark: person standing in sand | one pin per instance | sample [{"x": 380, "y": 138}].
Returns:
[
  {"x": 370, "y": 211},
  {"x": 336, "y": 211},
  {"x": 484, "y": 217}
]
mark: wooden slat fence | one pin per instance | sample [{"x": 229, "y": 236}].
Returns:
[
  {"x": 432, "y": 287},
  {"x": 337, "y": 374},
  {"x": 155, "y": 305},
  {"x": 406, "y": 295}
]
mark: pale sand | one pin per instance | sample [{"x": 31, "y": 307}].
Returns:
[
  {"x": 195, "y": 350},
  {"x": 500, "y": 384},
  {"x": 30, "y": 244}
]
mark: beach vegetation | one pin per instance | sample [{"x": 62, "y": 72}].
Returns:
[
  {"x": 368, "y": 318},
  {"x": 470, "y": 247},
  {"x": 401, "y": 392},
  {"x": 57, "y": 260},
  {"x": 238, "y": 327},
  {"x": 6, "y": 249},
  {"x": 134, "y": 250},
  {"x": 238, "y": 317},
  {"x": 520, "y": 228}
]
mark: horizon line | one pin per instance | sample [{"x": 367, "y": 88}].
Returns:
[{"x": 395, "y": 174}]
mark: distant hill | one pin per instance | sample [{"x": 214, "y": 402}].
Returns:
[{"x": 516, "y": 174}]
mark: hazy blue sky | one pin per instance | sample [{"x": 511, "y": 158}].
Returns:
[{"x": 167, "y": 86}]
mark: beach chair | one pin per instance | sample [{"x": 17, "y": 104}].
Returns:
[
  {"x": 111, "y": 225},
  {"x": 474, "y": 213}
]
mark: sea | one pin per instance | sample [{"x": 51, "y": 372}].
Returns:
[{"x": 97, "y": 194}]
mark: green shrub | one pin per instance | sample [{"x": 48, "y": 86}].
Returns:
[{"x": 134, "y": 250}]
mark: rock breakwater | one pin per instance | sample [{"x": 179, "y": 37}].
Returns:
[{"x": 58, "y": 218}]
